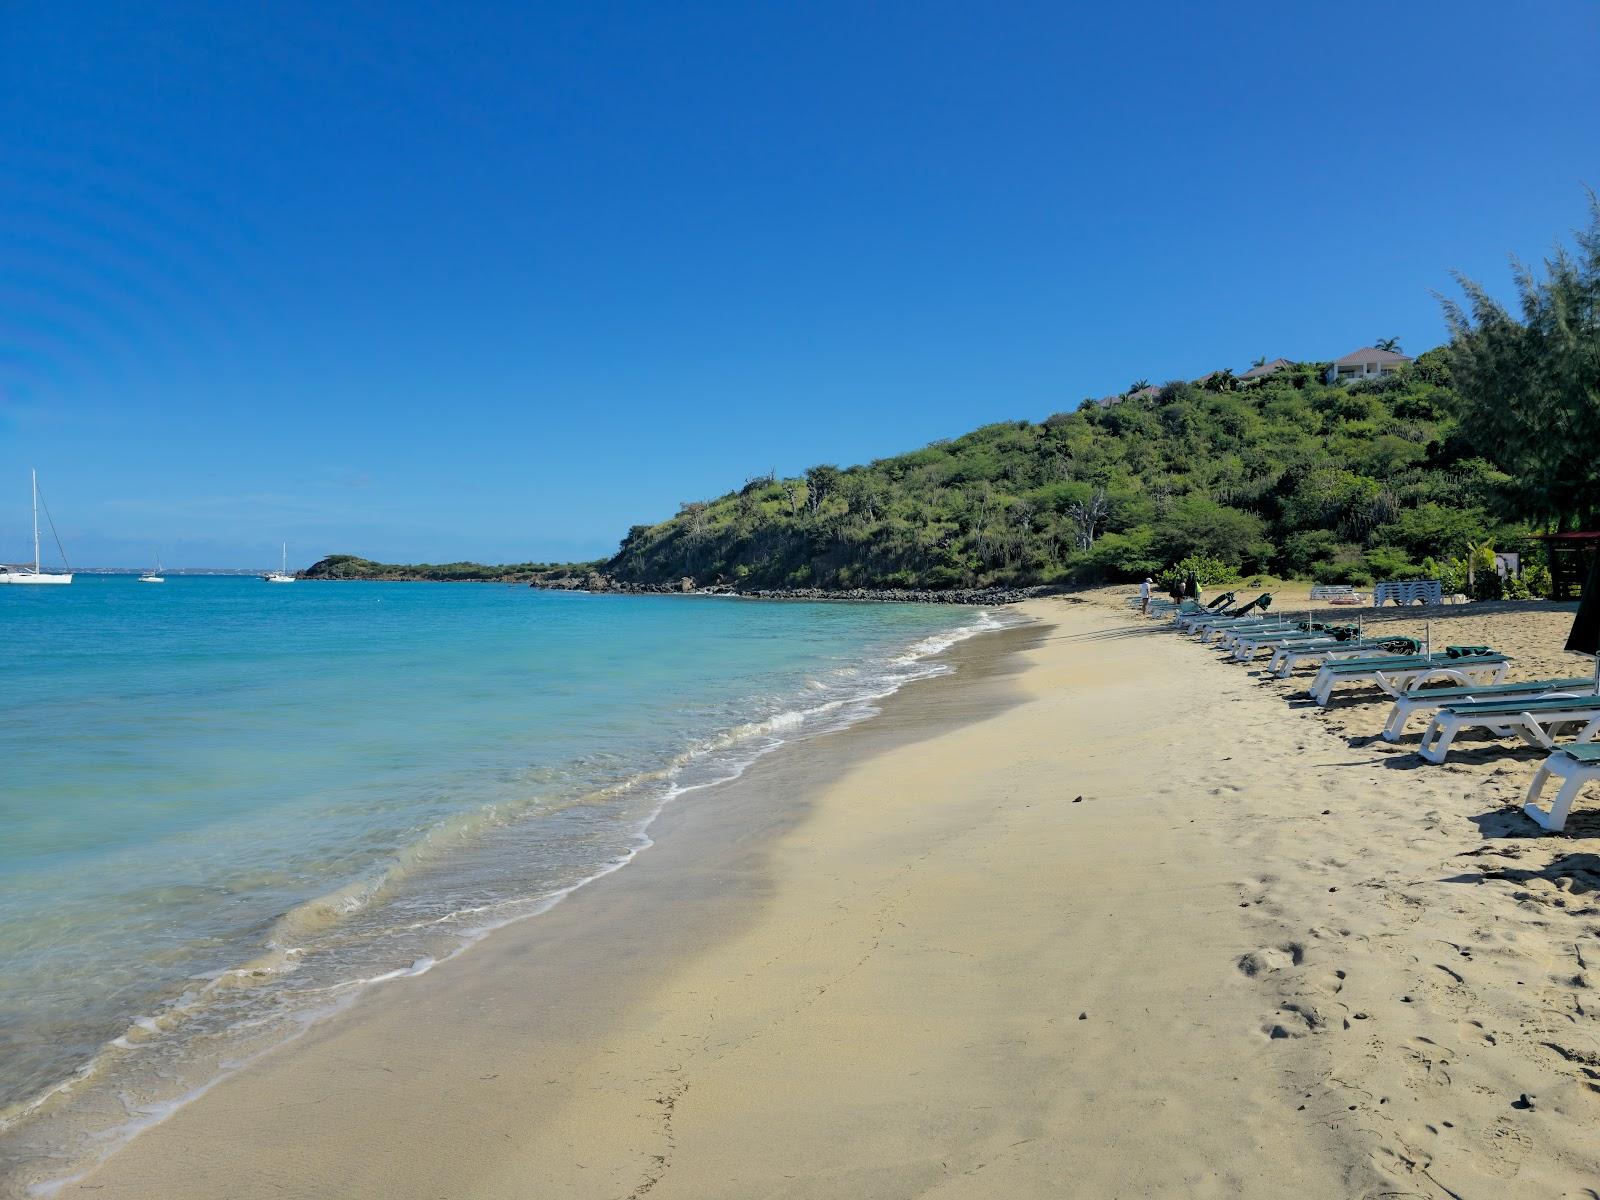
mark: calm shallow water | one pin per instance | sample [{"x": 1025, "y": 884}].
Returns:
[{"x": 226, "y": 806}]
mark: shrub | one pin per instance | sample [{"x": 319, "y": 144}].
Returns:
[
  {"x": 1539, "y": 583},
  {"x": 1207, "y": 570},
  {"x": 1303, "y": 551},
  {"x": 1121, "y": 555},
  {"x": 1390, "y": 562},
  {"x": 1348, "y": 565},
  {"x": 1451, "y": 574}
]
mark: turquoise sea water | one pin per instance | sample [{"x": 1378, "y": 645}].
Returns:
[{"x": 227, "y": 806}]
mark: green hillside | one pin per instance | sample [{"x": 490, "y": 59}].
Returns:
[
  {"x": 1287, "y": 475},
  {"x": 1414, "y": 473},
  {"x": 348, "y": 566}
]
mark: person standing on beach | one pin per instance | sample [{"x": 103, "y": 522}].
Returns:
[{"x": 1144, "y": 597}]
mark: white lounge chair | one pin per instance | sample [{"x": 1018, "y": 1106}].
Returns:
[
  {"x": 1575, "y": 766},
  {"x": 1290, "y": 658},
  {"x": 1191, "y": 621},
  {"x": 1187, "y": 621},
  {"x": 1534, "y": 719},
  {"x": 1426, "y": 699},
  {"x": 1247, "y": 645},
  {"x": 1230, "y": 636},
  {"x": 1210, "y": 629},
  {"x": 1396, "y": 675}
]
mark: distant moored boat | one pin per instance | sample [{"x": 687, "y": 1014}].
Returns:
[
  {"x": 155, "y": 575},
  {"x": 282, "y": 574},
  {"x": 24, "y": 574}
]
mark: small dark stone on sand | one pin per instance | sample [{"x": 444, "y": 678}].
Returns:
[
  {"x": 1083, "y": 1016},
  {"x": 1523, "y": 1102},
  {"x": 1077, "y": 799},
  {"x": 1327, "y": 812}
]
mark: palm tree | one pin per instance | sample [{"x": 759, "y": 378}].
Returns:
[
  {"x": 1390, "y": 344},
  {"x": 1260, "y": 362},
  {"x": 1138, "y": 385}
]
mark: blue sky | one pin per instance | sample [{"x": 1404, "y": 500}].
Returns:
[{"x": 497, "y": 281}]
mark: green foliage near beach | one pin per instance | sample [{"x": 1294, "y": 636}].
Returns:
[
  {"x": 348, "y": 566},
  {"x": 1473, "y": 445},
  {"x": 1422, "y": 473},
  {"x": 1530, "y": 386},
  {"x": 1288, "y": 475}
]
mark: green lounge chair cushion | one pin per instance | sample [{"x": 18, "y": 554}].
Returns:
[
  {"x": 1584, "y": 752},
  {"x": 1402, "y": 662},
  {"x": 1527, "y": 686},
  {"x": 1531, "y": 704}
]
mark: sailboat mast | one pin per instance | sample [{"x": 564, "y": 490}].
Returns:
[{"x": 35, "y": 520}]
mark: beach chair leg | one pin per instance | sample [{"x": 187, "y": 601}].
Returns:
[
  {"x": 1436, "y": 741},
  {"x": 1530, "y": 731},
  {"x": 1395, "y": 727},
  {"x": 1556, "y": 819}
]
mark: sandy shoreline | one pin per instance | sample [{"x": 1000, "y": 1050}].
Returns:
[{"x": 903, "y": 960}]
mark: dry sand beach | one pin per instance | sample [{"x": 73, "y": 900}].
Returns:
[{"x": 1099, "y": 915}]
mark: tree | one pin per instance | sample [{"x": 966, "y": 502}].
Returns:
[
  {"x": 1086, "y": 517},
  {"x": 1259, "y": 362},
  {"x": 1138, "y": 385},
  {"x": 1390, "y": 344},
  {"x": 820, "y": 483},
  {"x": 1529, "y": 388}
]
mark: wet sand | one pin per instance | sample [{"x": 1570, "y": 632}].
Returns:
[{"x": 1098, "y": 915}]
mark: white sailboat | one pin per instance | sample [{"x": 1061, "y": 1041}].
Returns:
[
  {"x": 282, "y": 574},
  {"x": 24, "y": 574},
  {"x": 154, "y": 576}
]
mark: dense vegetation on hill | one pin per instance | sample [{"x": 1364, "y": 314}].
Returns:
[
  {"x": 1475, "y": 444},
  {"x": 348, "y": 566},
  {"x": 1419, "y": 473},
  {"x": 1287, "y": 475}
]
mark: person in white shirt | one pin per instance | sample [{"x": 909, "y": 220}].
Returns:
[{"x": 1144, "y": 597}]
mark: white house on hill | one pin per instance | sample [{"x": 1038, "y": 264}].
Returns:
[{"x": 1365, "y": 363}]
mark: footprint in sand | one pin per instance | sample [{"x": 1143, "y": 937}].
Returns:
[
  {"x": 1331, "y": 985},
  {"x": 1502, "y": 1149},
  {"x": 1474, "y": 1031},
  {"x": 1271, "y": 958}
]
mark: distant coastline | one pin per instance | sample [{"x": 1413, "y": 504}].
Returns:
[{"x": 587, "y": 577}]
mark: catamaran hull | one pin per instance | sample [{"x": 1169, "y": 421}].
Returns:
[{"x": 30, "y": 578}]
